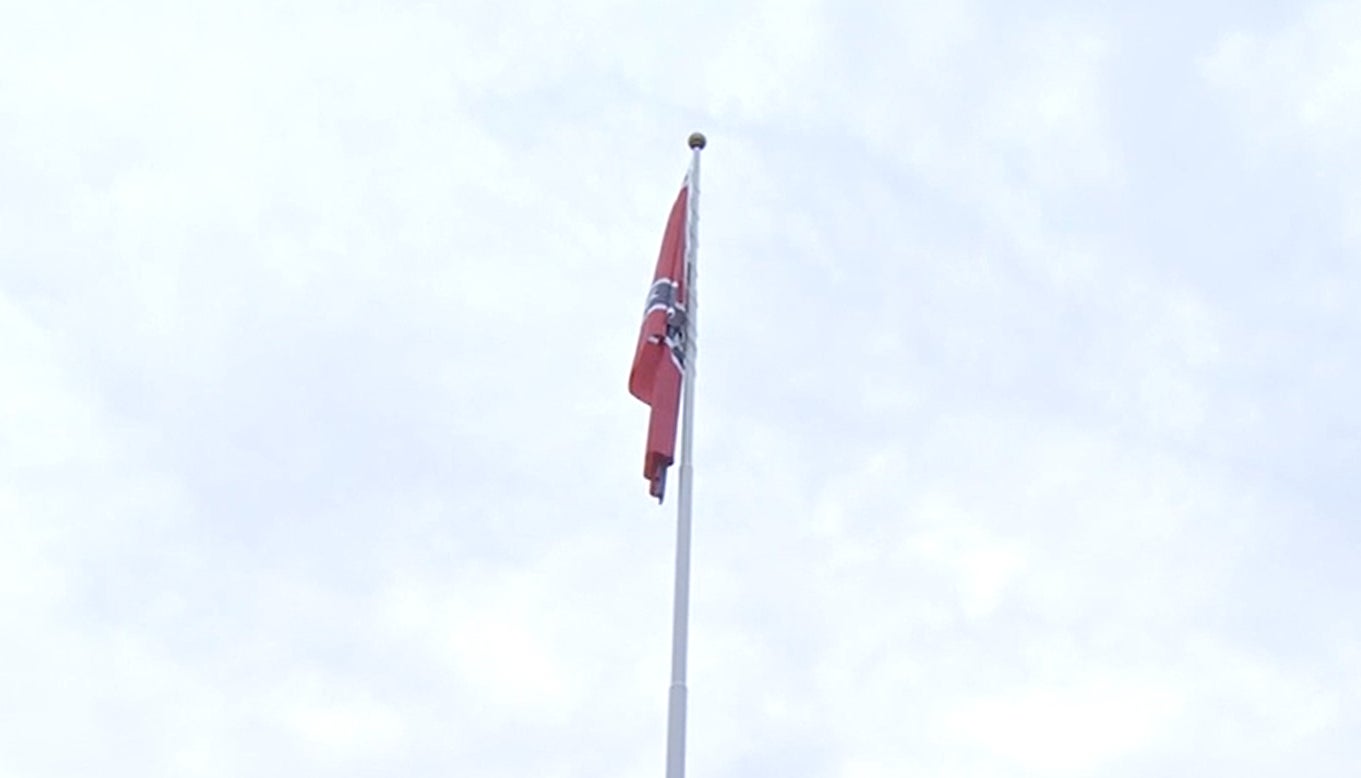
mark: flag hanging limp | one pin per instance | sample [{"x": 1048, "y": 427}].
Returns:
[{"x": 659, "y": 361}]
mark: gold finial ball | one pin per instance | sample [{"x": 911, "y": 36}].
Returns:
[{"x": 697, "y": 140}]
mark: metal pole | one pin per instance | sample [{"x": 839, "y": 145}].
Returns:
[{"x": 680, "y": 629}]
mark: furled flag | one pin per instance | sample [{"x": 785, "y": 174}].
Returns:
[{"x": 659, "y": 362}]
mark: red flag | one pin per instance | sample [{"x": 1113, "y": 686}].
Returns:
[{"x": 659, "y": 362}]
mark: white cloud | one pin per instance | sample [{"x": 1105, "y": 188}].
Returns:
[
  {"x": 1067, "y": 731},
  {"x": 1300, "y": 80},
  {"x": 339, "y": 726},
  {"x": 317, "y": 453},
  {"x": 1297, "y": 90},
  {"x": 1257, "y": 704}
]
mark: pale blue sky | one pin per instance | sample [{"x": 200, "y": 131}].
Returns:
[{"x": 1027, "y": 439}]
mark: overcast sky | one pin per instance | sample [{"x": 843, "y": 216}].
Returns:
[{"x": 1027, "y": 441}]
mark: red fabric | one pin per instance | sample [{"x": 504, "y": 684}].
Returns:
[{"x": 657, "y": 363}]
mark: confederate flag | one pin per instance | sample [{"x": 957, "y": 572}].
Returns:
[{"x": 659, "y": 362}]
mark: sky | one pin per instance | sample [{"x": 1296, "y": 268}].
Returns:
[{"x": 1026, "y": 439}]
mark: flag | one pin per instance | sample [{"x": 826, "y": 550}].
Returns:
[{"x": 659, "y": 360}]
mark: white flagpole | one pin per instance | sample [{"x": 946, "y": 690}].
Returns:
[{"x": 680, "y": 628}]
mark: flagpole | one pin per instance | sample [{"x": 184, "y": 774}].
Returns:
[{"x": 680, "y": 628}]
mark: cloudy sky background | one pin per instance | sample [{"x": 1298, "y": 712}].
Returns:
[{"x": 1027, "y": 441}]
